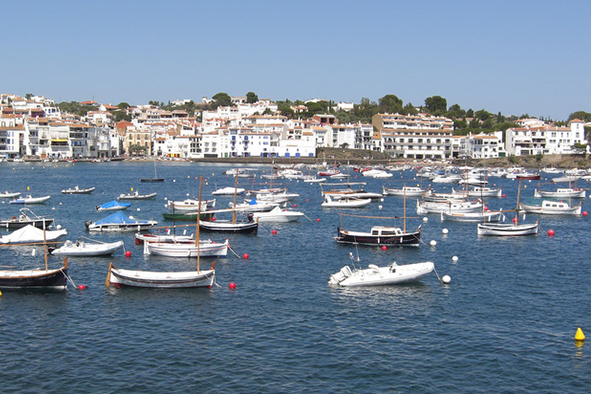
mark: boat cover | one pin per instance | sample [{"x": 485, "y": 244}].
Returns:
[
  {"x": 119, "y": 218},
  {"x": 113, "y": 204},
  {"x": 31, "y": 233}
]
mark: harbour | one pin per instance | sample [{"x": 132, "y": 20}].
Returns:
[{"x": 505, "y": 323}]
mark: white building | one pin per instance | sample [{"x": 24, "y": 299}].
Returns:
[{"x": 544, "y": 139}]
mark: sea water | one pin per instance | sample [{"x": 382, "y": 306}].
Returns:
[{"x": 505, "y": 323}]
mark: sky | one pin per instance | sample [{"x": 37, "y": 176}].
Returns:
[{"x": 515, "y": 57}]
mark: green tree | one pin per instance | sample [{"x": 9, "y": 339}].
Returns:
[
  {"x": 123, "y": 105},
  {"x": 390, "y": 104},
  {"x": 222, "y": 100},
  {"x": 251, "y": 97},
  {"x": 436, "y": 105},
  {"x": 410, "y": 109},
  {"x": 455, "y": 112},
  {"x": 581, "y": 115}
]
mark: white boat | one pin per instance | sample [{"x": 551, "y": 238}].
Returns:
[
  {"x": 82, "y": 248},
  {"x": 230, "y": 226},
  {"x": 507, "y": 229},
  {"x": 313, "y": 179},
  {"x": 118, "y": 221},
  {"x": 191, "y": 205},
  {"x": 549, "y": 207},
  {"x": 206, "y": 248},
  {"x": 561, "y": 192},
  {"x": 136, "y": 196},
  {"x": 147, "y": 237},
  {"x": 277, "y": 215},
  {"x": 78, "y": 190},
  {"x": 32, "y": 234},
  {"x": 424, "y": 207},
  {"x": 345, "y": 202},
  {"x": 377, "y": 174},
  {"x": 228, "y": 191},
  {"x": 254, "y": 206},
  {"x": 379, "y": 276},
  {"x": 28, "y": 199},
  {"x": 278, "y": 198},
  {"x": 473, "y": 217},
  {"x": 408, "y": 191},
  {"x": 165, "y": 280},
  {"x": 7, "y": 194},
  {"x": 480, "y": 191},
  {"x": 447, "y": 178}
]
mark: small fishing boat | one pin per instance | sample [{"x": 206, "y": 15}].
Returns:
[
  {"x": 473, "y": 217},
  {"x": 32, "y": 234},
  {"x": 228, "y": 191},
  {"x": 507, "y": 229},
  {"x": 164, "y": 280},
  {"x": 28, "y": 199},
  {"x": 205, "y": 248},
  {"x": 78, "y": 190},
  {"x": 408, "y": 191},
  {"x": 156, "y": 178},
  {"x": 188, "y": 216},
  {"x": 113, "y": 206},
  {"x": 380, "y": 276},
  {"x": 52, "y": 279},
  {"x": 345, "y": 202},
  {"x": 27, "y": 217},
  {"x": 452, "y": 206},
  {"x": 230, "y": 226},
  {"x": 7, "y": 194},
  {"x": 254, "y": 205},
  {"x": 561, "y": 192},
  {"x": 380, "y": 236},
  {"x": 480, "y": 191},
  {"x": 136, "y": 196},
  {"x": 548, "y": 207},
  {"x": 140, "y": 238},
  {"x": 277, "y": 215},
  {"x": 118, "y": 221},
  {"x": 190, "y": 205},
  {"x": 82, "y": 248}
]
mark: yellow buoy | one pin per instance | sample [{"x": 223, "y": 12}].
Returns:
[
  {"x": 27, "y": 188},
  {"x": 579, "y": 336},
  {"x": 0, "y": 293}
]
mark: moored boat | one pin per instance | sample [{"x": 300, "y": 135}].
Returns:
[
  {"x": 163, "y": 280},
  {"x": 82, "y": 248},
  {"x": 548, "y": 207},
  {"x": 507, "y": 229},
  {"x": 136, "y": 196},
  {"x": 77, "y": 190},
  {"x": 28, "y": 199},
  {"x": 51, "y": 279},
  {"x": 379, "y": 276},
  {"x": 118, "y": 221},
  {"x": 27, "y": 217},
  {"x": 113, "y": 206}
]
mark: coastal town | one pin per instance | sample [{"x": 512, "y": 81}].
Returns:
[{"x": 35, "y": 128}]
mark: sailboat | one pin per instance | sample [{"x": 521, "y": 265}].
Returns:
[
  {"x": 380, "y": 235},
  {"x": 166, "y": 280},
  {"x": 509, "y": 229},
  {"x": 155, "y": 179},
  {"x": 51, "y": 279}
]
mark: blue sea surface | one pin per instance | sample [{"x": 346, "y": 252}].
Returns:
[{"x": 505, "y": 323}]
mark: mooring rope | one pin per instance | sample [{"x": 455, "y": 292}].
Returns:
[
  {"x": 232, "y": 250},
  {"x": 68, "y": 278}
]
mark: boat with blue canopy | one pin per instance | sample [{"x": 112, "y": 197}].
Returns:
[{"x": 118, "y": 221}]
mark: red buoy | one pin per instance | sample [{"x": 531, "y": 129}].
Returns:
[
  {"x": 514, "y": 220},
  {"x": 384, "y": 247},
  {"x": 295, "y": 205},
  {"x": 245, "y": 256},
  {"x": 551, "y": 233},
  {"x": 232, "y": 286},
  {"x": 274, "y": 232},
  {"x": 82, "y": 287},
  {"x": 128, "y": 253},
  {"x": 318, "y": 219},
  {"x": 504, "y": 196},
  {"x": 585, "y": 213}
]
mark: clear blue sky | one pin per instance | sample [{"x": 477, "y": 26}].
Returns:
[{"x": 514, "y": 56}]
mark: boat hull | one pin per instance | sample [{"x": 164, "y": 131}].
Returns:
[
  {"x": 502, "y": 229},
  {"x": 160, "y": 280},
  {"x": 34, "y": 279},
  {"x": 205, "y": 249},
  {"x": 361, "y": 238},
  {"x": 381, "y": 276},
  {"x": 229, "y": 227}
]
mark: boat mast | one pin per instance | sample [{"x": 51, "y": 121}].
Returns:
[
  {"x": 45, "y": 246},
  {"x": 518, "y": 199},
  {"x": 198, "y": 219},
  {"x": 234, "y": 206},
  {"x": 404, "y": 207}
]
